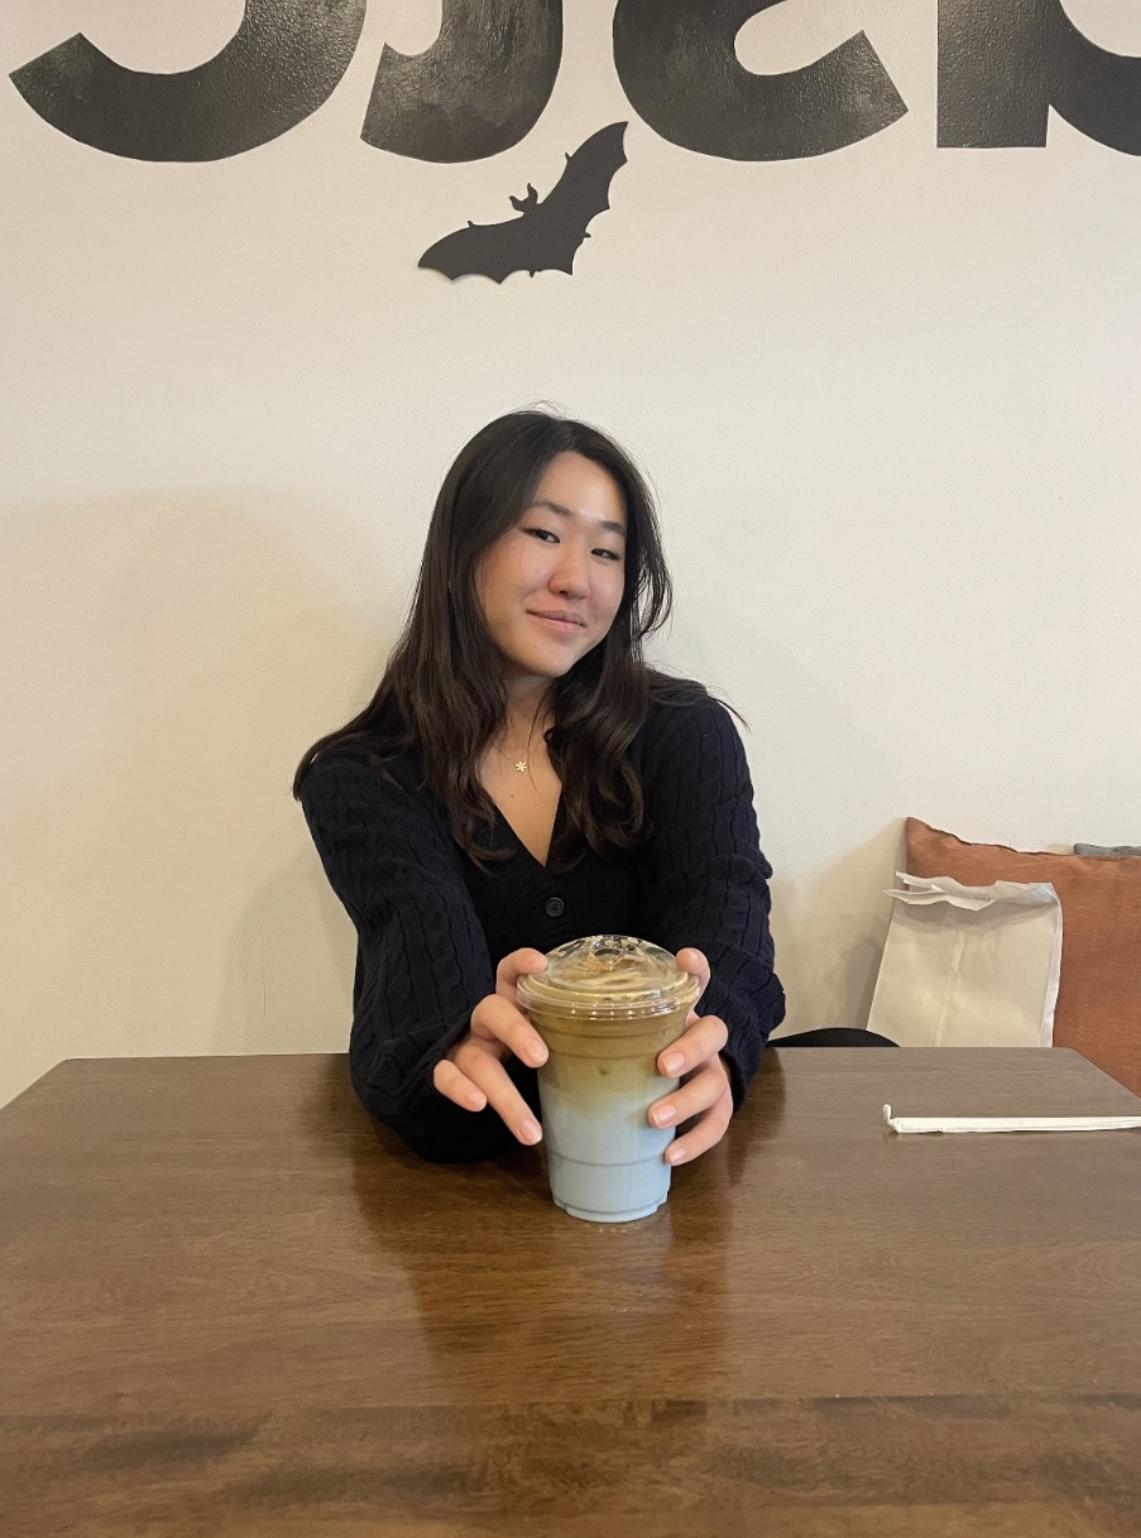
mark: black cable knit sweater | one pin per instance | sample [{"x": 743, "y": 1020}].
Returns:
[{"x": 431, "y": 926}]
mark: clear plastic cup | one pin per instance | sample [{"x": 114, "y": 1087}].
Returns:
[{"x": 606, "y": 1006}]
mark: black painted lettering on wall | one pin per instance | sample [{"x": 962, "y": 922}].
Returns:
[
  {"x": 1004, "y": 63},
  {"x": 678, "y": 66},
  {"x": 486, "y": 80},
  {"x": 478, "y": 90},
  {"x": 284, "y": 61}
]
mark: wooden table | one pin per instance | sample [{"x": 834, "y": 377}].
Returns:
[{"x": 233, "y": 1306}]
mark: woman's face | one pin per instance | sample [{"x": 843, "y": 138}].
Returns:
[{"x": 550, "y": 587}]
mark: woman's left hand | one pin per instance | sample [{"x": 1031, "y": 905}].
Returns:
[{"x": 705, "y": 1093}]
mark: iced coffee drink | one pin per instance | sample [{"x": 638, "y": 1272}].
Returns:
[{"x": 606, "y": 1007}]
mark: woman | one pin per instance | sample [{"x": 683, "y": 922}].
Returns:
[{"x": 521, "y": 778}]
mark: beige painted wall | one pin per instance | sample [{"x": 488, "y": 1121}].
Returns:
[{"x": 889, "y": 398}]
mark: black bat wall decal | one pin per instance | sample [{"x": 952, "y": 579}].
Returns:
[{"x": 548, "y": 231}]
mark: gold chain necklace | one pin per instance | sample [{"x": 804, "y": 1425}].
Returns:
[{"x": 521, "y": 764}]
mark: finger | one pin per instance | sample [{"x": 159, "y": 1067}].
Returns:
[
  {"x": 701, "y": 1040},
  {"x": 519, "y": 964},
  {"x": 693, "y": 961},
  {"x": 455, "y": 1085},
  {"x": 703, "y": 1089},
  {"x": 489, "y": 1075},
  {"x": 708, "y": 1132},
  {"x": 497, "y": 1019}
]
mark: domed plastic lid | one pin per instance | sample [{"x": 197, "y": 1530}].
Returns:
[{"x": 609, "y": 977}]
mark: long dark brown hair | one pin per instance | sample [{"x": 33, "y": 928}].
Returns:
[{"x": 442, "y": 692}]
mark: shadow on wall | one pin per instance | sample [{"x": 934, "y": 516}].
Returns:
[
  {"x": 829, "y": 926},
  {"x": 834, "y": 943},
  {"x": 169, "y": 660}
]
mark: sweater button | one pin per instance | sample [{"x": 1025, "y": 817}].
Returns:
[{"x": 555, "y": 907}]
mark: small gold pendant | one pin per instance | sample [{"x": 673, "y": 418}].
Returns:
[{"x": 521, "y": 765}]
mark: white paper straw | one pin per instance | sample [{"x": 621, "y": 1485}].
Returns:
[{"x": 1009, "y": 1123}]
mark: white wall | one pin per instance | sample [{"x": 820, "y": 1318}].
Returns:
[{"x": 888, "y": 397}]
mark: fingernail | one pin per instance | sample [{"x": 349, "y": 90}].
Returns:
[
  {"x": 676, "y": 1154},
  {"x": 674, "y": 1062},
  {"x": 536, "y": 1055},
  {"x": 530, "y": 1131},
  {"x": 664, "y": 1115}
]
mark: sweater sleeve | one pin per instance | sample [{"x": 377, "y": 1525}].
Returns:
[
  {"x": 706, "y": 878},
  {"x": 423, "y": 960}
]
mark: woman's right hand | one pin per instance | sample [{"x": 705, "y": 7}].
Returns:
[{"x": 472, "y": 1073}]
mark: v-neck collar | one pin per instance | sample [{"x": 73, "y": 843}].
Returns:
[{"x": 520, "y": 847}]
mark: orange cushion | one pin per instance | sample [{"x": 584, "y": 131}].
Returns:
[{"x": 1099, "y": 995}]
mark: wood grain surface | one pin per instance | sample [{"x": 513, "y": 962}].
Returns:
[{"x": 231, "y": 1305}]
